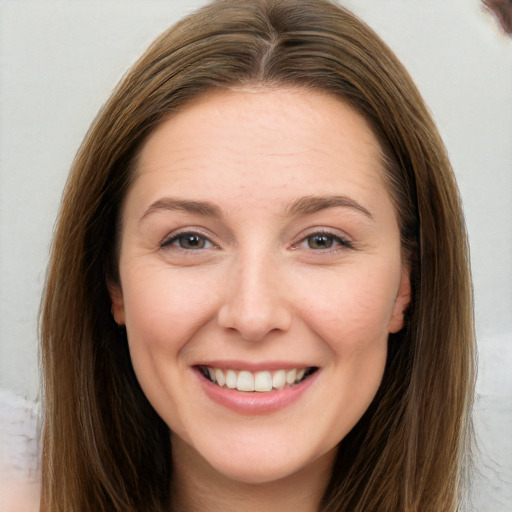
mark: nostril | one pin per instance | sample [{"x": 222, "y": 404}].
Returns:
[{"x": 254, "y": 322}]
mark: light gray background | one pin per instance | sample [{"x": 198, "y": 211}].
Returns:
[{"x": 59, "y": 60}]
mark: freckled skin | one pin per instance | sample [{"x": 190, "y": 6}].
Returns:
[{"x": 259, "y": 290}]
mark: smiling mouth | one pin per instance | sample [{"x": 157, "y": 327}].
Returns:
[{"x": 261, "y": 381}]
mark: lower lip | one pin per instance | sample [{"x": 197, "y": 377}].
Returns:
[{"x": 255, "y": 402}]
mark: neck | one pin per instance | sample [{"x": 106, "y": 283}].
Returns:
[{"x": 198, "y": 487}]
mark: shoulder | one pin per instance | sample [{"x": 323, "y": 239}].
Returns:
[{"x": 19, "y": 461}]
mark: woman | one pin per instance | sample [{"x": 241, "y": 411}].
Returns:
[{"x": 259, "y": 293}]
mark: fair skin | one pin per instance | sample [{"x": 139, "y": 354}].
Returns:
[{"x": 260, "y": 246}]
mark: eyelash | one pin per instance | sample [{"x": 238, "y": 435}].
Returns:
[
  {"x": 170, "y": 241},
  {"x": 337, "y": 242}
]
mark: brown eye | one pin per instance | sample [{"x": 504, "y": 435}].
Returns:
[
  {"x": 325, "y": 241},
  {"x": 320, "y": 241},
  {"x": 192, "y": 241},
  {"x": 188, "y": 241}
]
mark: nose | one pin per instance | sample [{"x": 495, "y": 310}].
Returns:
[{"x": 254, "y": 303}]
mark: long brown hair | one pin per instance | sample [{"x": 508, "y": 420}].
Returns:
[{"x": 104, "y": 448}]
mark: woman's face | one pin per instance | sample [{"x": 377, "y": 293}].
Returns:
[{"x": 260, "y": 248}]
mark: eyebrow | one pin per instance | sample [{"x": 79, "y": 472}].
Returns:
[
  {"x": 200, "y": 207},
  {"x": 312, "y": 204},
  {"x": 303, "y": 206}
]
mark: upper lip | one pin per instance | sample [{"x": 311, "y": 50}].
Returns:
[{"x": 254, "y": 367}]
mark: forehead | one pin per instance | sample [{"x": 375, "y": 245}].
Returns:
[{"x": 276, "y": 142}]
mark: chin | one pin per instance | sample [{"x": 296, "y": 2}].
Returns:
[
  {"x": 264, "y": 465},
  {"x": 265, "y": 474}
]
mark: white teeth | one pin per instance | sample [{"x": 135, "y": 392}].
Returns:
[
  {"x": 300, "y": 374},
  {"x": 263, "y": 381},
  {"x": 279, "y": 379},
  {"x": 219, "y": 377},
  {"x": 291, "y": 376},
  {"x": 245, "y": 381},
  {"x": 231, "y": 379}
]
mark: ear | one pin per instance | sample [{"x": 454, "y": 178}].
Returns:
[
  {"x": 116, "y": 297},
  {"x": 402, "y": 301}
]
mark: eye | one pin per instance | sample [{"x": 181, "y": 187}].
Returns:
[
  {"x": 189, "y": 241},
  {"x": 320, "y": 241},
  {"x": 324, "y": 241}
]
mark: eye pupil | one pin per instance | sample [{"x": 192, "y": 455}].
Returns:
[
  {"x": 191, "y": 241},
  {"x": 320, "y": 241}
]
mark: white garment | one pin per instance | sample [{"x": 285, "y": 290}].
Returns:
[{"x": 19, "y": 453}]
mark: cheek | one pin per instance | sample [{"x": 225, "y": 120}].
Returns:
[
  {"x": 351, "y": 310},
  {"x": 163, "y": 310},
  {"x": 162, "y": 302}
]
